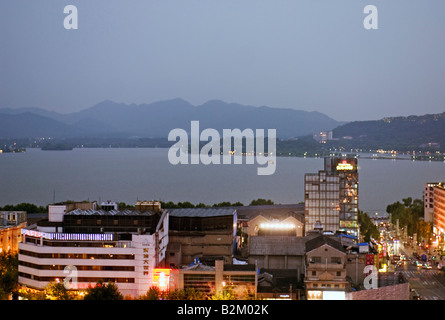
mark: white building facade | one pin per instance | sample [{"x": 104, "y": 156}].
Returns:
[{"x": 80, "y": 260}]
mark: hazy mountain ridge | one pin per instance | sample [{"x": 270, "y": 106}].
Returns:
[
  {"x": 407, "y": 133},
  {"x": 157, "y": 119}
]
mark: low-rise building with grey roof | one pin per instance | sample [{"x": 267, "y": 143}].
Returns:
[{"x": 205, "y": 233}]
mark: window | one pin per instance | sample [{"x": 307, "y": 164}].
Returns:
[
  {"x": 316, "y": 259},
  {"x": 338, "y": 273},
  {"x": 336, "y": 260},
  {"x": 314, "y": 273}
]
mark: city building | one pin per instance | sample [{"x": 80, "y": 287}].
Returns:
[
  {"x": 428, "y": 200},
  {"x": 11, "y": 224},
  {"x": 240, "y": 280},
  {"x": 91, "y": 245},
  {"x": 322, "y": 204},
  {"x": 325, "y": 276},
  {"x": 271, "y": 220},
  {"x": 323, "y": 136},
  {"x": 205, "y": 233},
  {"x": 57, "y": 211},
  {"x": 331, "y": 197},
  {"x": 439, "y": 210}
]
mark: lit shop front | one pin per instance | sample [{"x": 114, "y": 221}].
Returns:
[{"x": 325, "y": 295}]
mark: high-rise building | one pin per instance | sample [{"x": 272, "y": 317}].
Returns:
[
  {"x": 428, "y": 200},
  {"x": 346, "y": 169},
  {"x": 321, "y": 201},
  {"x": 439, "y": 210},
  {"x": 331, "y": 197}
]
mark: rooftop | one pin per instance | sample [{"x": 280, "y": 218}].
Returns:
[
  {"x": 202, "y": 212},
  {"x": 127, "y": 212},
  {"x": 277, "y": 245},
  {"x": 272, "y": 211},
  {"x": 323, "y": 239}
]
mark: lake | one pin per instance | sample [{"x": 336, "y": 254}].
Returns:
[{"x": 128, "y": 175}]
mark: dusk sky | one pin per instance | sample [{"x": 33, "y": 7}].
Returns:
[{"x": 312, "y": 55}]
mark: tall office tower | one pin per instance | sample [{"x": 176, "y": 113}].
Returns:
[
  {"x": 346, "y": 169},
  {"x": 321, "y": 201},
  {"x": 331, "y": 197}
]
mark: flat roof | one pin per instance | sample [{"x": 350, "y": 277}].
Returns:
[
  {"x": 202, "y": 212},
  {"x": 270, "y": 211}
]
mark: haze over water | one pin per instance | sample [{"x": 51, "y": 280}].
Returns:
[{"x": 128, "y": 175}]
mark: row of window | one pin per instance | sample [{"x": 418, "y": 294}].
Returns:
[
  {"x": 314, "y": 273},
  {"x": 202, "y": 282},
  {"x": 49, "y": 243},
  {"x": 76, "y": 255},
  {"x": 337, "y": 260},
  {"x": 80, "y": 268},
  {"x": 325, "y": 285},
  {"x": 79, "y": 279}
]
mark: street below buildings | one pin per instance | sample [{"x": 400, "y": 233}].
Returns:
[{"x": 429, "y": 284}]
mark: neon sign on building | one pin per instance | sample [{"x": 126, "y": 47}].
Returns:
[{"x": 344, "y": 165}]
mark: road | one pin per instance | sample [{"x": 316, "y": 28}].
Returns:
[{"x": 429, "y": 283}]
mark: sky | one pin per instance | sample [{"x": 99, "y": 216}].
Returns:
[{"x": 312, "y": 55}]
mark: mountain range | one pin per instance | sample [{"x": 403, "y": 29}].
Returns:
[
  {"x": 397, "y": 133},
  {"x": 110, "y": 119}
]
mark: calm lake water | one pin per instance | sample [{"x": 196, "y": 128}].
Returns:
[{"x": 128, "y": 175}]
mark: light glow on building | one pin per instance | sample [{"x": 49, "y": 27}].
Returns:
[
  {"x": 161, "y": 278},
  {"x": 344, "y": 165},
  {"x": 277, "y": 226},
  {"x": 69, "y": 236}
]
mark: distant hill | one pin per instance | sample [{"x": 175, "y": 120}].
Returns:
[
  {"x": 398, "y": 133},
  {"x": 27, "y": 125},
  {"x": 157, "y": 119}
]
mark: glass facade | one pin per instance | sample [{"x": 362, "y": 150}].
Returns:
[
  {"x": 331, "y": 196},
  {"x": 322, "y": 201}
]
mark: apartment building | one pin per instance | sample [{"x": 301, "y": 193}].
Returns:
[{"x": 325, "y": 276}]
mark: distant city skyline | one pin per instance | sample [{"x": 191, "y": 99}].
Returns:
[{"x": 286, "y": 54}]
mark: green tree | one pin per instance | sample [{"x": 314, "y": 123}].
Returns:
[
  {"x": 186, "y": 294},
  {"x": 8, "y": 274},
  {"x": 57, "y": 291},
  {"x": 103, "y": 291},
  {"x": 261, "y": 202},
  {"x": 225, "y": 295},
  {"x": 408, "y": 213},
  {"x": 367, "y": 227},
  {"x": 28, "y": 207},
  {"x": 154, "y": 294}
]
